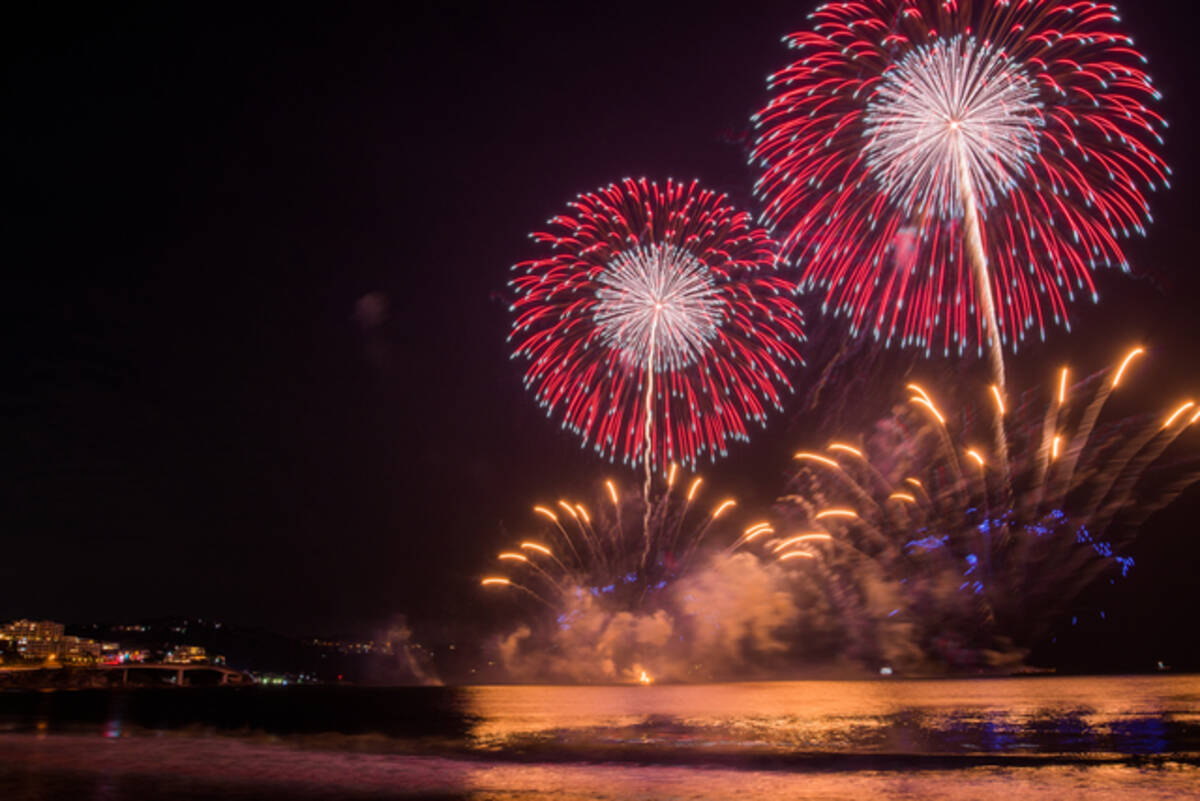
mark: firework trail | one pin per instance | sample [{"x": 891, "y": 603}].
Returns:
[
  {"x": 952, "y": 171},
  {"x": 933, "y": 554},
  {"x": 656, "y": 327},
  {"x": 614, "y": 602}
]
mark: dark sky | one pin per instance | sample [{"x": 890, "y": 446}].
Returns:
[{"x": 195, "y": 419}]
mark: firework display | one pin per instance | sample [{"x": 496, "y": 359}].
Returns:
[
  {"x": 656, "y": 326},
  {"x": 934, "y": 553},
  {"x": 616, "y": 548},
  {"x": 622, "y": 591},
  {"x": 948, "y": 175},
  {"x": 945, "y": 170},
  {"x": 913, "y": 549}
]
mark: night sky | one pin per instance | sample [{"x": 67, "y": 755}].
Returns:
[{"x": 256, "y": 304}]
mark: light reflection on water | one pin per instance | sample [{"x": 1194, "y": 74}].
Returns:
[
  {"x": 180, "y": 769},
  {"x": 1002, "y": 739},
  {"x": 1123, "y": 715}
]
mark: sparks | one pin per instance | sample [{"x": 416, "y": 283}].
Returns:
[
  {"x": 814, "y": 537},
  {"x": 656, "y": 325},
  {"x": 843, "y": 513},
  {"x": 723, "y": 507},
  {"x": 919, "y": 390},
  {"x": 999, "y": 398},
  {"x": 950, "y": 175},
  {"x": 658, "y": 305},
  {"x": 814, "y": 457},
  {"x": 754, "y": 532},
  {"x": 929, "y": 405},
  {"x": 1133, "y": 354},
  {"x": 1177, "y": 413},
  {"x": 952, "y": 99}
]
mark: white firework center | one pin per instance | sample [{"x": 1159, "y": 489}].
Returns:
[
  {"x": 952, "y": 116},
  {"x": 658, "y": 305}
]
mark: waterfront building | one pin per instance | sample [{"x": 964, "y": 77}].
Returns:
[
  {"x": 44, "y": 641},
  {"x": 187, "y": 655}
]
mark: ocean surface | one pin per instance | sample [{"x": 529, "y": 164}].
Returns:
[{"x": 1017, "y": 738}]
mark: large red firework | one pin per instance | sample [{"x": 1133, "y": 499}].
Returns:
[
  {"x": 657, "y": 318},
  {"x": 940, "y": 167}
]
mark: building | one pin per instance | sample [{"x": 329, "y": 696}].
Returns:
[
  {"x": 44, "y": 641},
  {"x": 33, "y": 640},
  {"x": 187, "y": 655},
  {"x": 33, "y": 630},
  {"x": 78, "y": 651}
]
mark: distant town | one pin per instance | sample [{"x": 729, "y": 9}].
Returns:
[
  {"x": 44, "y": 642},
  {"x": 196, "y": 652}
]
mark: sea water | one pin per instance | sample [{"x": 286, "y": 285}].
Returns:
[{"x": 1046, "y": 737}]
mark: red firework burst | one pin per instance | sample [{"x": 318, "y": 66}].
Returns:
[
  {"x": 946, "y": 168},
  {"x": 659, "y": 317}
]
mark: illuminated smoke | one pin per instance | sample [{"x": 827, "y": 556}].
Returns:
[
  {"x": 943, "y": 553},
  {"x": 734, "y": 617},
  {"x": 615, "y": 588}
]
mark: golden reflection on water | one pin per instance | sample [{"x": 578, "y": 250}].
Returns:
[
  {"x": 659, "y": 783},
  {"x": 940, "y": 740},
  {"x": 191, "y": 769},
  {"x": 905, "y": 716}
]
